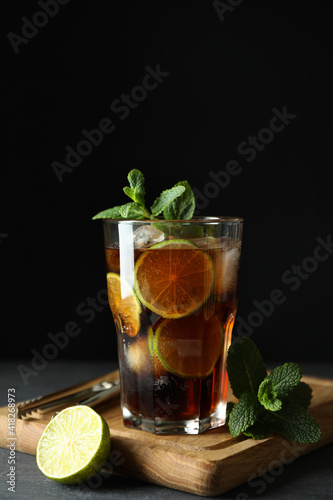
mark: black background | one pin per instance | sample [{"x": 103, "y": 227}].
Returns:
[{"x": 225, "y": 77}]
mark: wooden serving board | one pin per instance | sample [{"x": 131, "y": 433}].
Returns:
[{"x": 207, "y": 464}]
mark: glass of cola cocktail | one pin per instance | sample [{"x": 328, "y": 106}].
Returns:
[{"x": 172, "y": 288}]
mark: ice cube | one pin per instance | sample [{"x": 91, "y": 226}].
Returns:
[
  {"x": 211, "y": 243},
  {"x": 147, "y": 236},
  {"x": 230, "y": 268},
  {"x": 205, "y": 242},
  {"x": 138, "y": 357}
]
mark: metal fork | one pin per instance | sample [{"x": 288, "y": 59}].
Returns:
[{"x": 38, "y": 408}]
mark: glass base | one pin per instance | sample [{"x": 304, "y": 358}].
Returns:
[{"x": 159, "y": 426}]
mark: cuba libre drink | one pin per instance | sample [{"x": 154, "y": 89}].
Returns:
[{"x": 172, "y": 288}]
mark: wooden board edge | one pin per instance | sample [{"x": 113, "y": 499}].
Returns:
[{"x": 211, "y": 475}]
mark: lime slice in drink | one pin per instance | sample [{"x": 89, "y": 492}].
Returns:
[
  {"x": 189, "y": 347},
  {"x": 74, "y": 445},
  {"x": 173, "y": 278},
  {"x": 176, "y": 244},
  {"x": 159, "y": 369},
  {"x": 124, "y": 305}
]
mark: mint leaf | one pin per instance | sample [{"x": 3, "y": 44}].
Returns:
[
  {"x": 136, "y": 191},
  {"x": 129, "y": 192},
  {"x": 183, "y": 206},
  {"x": 112, "y": 213},
  {"x": 244, "y": 413},
  {"x": 245, "y": 367},
  {"x": 268, "y": 397},
  {"x": 294, "y": 422},
  {"x": 164, "y": 199},
  {"x": 268, "y": 403},
  {"x": 259, "y": 430},
  {"x": 285, "y": 378},
  {"x": 133, "y": 210},
  {"x": 301, "y": 394}
]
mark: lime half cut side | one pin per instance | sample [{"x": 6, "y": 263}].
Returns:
[{"x": 74, "y": 445}]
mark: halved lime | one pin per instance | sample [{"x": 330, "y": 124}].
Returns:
[
  {"x": 174, "y": 278},
  {"x": 125, "y": 306},
  {"x": 74, "y": 445}
]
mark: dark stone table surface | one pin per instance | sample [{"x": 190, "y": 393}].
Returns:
[{"x": 308, "y": 477}]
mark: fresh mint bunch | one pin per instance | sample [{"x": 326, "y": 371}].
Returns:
[
  {"x": 275, "y": 403},
  {"x": 176, "y": 203}
]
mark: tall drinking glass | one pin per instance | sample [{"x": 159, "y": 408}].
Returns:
[{"x": 172, "y": 288}]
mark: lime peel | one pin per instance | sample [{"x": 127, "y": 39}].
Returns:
[{"x": 176, "y": 244}]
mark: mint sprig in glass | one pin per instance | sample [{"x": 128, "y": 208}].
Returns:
[{"x": 176, "y": 203}]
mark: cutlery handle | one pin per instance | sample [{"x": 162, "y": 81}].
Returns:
[{"x": 37, "y": 408}]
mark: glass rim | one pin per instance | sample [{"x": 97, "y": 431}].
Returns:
[{"x": 195, "y": 219}]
